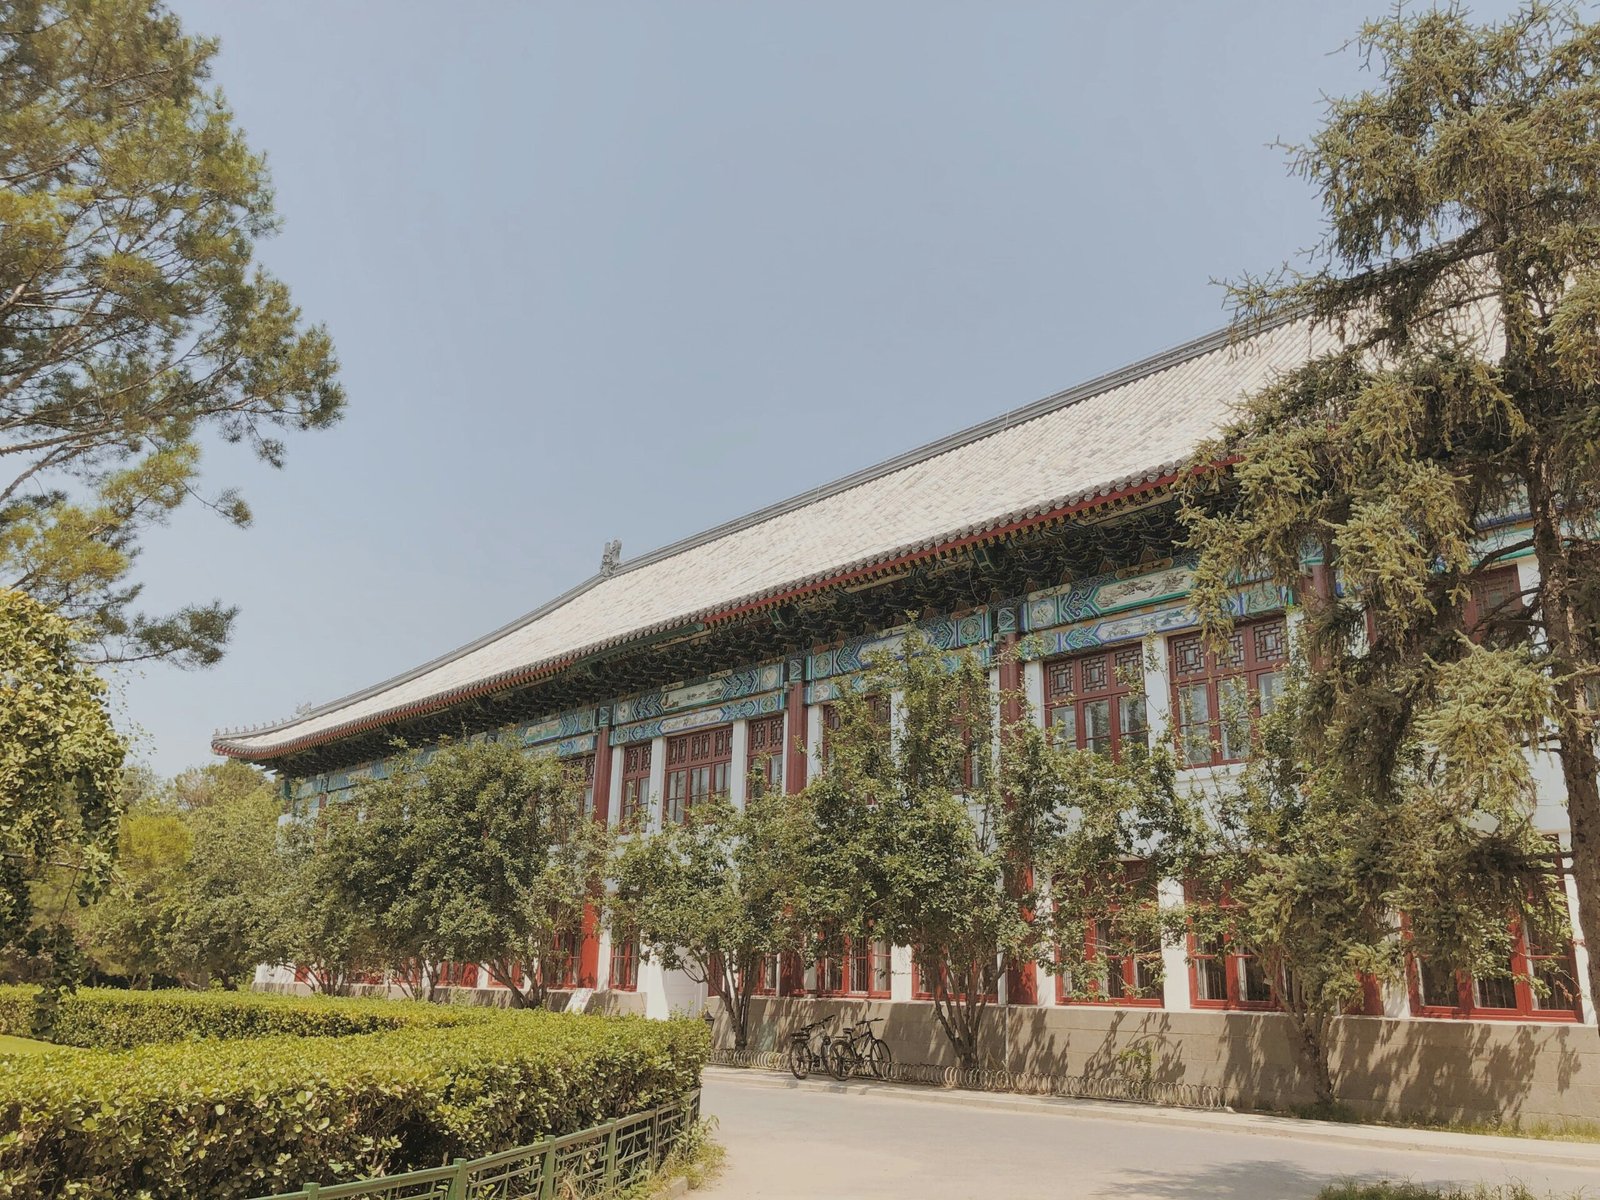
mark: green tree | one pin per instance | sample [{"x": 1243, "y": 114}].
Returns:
[
  {"x": 60, "y": 786},
  {"x": 313, "y": 920},
  {"x": 718, "y": 894},
  {"x": 130, "y": 931},
  {"x": 486, "y": 853},
  {"x": 224, "y": 925},
  {"x": 1461, "y": 191},
  {"x": 900, "y": 853},
  {"x": 1299, "y": 865},
  {"x": 133, "y": 318}
]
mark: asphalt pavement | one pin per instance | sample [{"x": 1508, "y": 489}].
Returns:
[{"x": 788, "y": 1140}]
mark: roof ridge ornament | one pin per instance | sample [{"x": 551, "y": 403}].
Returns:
[{"x": 610, "y": 557}]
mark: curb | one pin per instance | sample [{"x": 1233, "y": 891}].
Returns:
[{"x": 1540, "y": 1151}]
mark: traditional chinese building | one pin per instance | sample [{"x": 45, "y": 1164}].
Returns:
[{"x": 674, "y": 674}]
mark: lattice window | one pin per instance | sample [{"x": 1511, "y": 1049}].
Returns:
[
  {"x": 764, "y": 752},
  {"x": 635, "y": 804},
  {"x": 1096, "y": 702},
  {"x": 697, "y": 770},
  {"x": 1216, "y": 695}
]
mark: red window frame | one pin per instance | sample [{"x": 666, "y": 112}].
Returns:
[
  {"x": 1476, "y": 999},
  {"x": 1489, "y": 592},
  {"x": 770, "y": 979},
  {"x": 583, "y": 768},
  {"x": 919, "y": 981},
  {"x": 1121, "y": 985},
  {"x": 1253, "y": 660},
  {"x": 698, "y": 765},
  {"x": 458, "y": 974},
  {"x": 1229, "y": 968},
  {"x": 1091, "y": 696},
  {"x": 854, "y": 967},
  {"x": 624, "y": 975},
  {"x": 879, "y": 704},
  {"x": 763, "y": 755},
  {"x": 567, "y": 960},
  {"x": 634, "y": 803}
]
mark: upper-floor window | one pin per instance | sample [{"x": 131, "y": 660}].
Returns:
[
  {"x": 635, "y": 785},
  {"x": 764, "y": 754},
  {"x": 878, "y": 710},
  {"x": 1494, "y": 605},
  {"x": 1096, "y": 701},
  {"x": 697, "y": 770},
  {"x": 1216, "y": 693},
  {"x": 583, "y": 771}
]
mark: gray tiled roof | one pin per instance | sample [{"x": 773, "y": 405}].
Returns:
[{"x": 1127, "y": 428}]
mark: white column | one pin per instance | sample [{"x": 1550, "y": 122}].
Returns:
[
  {"x": 1033, "y": 687},
  {"x": 1580, "y": 952},
  {"x": 813, "y": 741},
  {"x": 658, "y": 791},
  {"x": 900, "y": 973},
  {"x": 1174, "y": 959},
  {"x": 613, "y": 783},
  {"x": 1157, "y": 689},
  {"x": 737, "y": 780}
]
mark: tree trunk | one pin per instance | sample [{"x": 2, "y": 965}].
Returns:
[
  {"x": 1576, "y": 751},
  {"x": 1313, "y": 1038}
]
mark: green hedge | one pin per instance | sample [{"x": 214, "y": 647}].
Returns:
[
  {"x": 231, "y": 1119},
  {"x": 105, "y": 1019}
]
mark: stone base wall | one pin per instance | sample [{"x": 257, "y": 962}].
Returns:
[{"x": 1474, "y": 1071}]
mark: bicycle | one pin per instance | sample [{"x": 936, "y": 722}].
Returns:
[
  {"x": 859, "y": 1049},
  {"x": 807, "y": 1049}
]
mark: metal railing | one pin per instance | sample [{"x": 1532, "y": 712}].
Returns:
[
  {"x": 586, "y": 1163},
  {"x": 1073, "y": 1087}
]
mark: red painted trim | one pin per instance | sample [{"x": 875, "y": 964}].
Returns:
[
  {"x": 602, "y": 775},
  {"x": 794, "y": 763},
  {"x": 589, "y": 948},
  {"x": 524, "y": 675}
]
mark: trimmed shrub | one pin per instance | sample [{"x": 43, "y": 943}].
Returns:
[
  {"x": 231, "y": 1119},
  {"x": 106, "y": 1019}
]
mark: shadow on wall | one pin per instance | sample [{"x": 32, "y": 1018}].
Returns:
[{"x": 1479, "y": 1071}]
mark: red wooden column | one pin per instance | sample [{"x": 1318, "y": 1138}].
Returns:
[
  {"x": 589, "y": 946},
  {"x": 794, "y": 760},
  {"x": 1022, "y": 982}
]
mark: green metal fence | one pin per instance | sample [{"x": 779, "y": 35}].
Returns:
[{"x": 585, "y": 1163}]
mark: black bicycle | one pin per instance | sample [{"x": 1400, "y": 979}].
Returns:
[
  {"x": 860, "y": 1049},
  {"x": 808, "y": 1047}
]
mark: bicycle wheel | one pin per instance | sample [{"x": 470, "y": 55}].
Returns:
[
  {"x": 841, "y": 1060},
  {"x": 878, "y": 1058},
  {"x": 799, "y": 1060}
]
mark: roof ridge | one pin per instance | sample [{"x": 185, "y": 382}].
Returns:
[{"x": 1151, "y": 365}]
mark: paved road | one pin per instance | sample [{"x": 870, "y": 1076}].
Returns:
[{"x": 802, "y": 1142}]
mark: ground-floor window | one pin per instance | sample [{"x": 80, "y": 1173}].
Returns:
[
  {"x": 625, "y": 962},
  {"x": 1541, "y": 984},
  {"x": 925, "y": 975},
  {"x": 1225, "y": 973},
  {"x": 853, "y": 967}
]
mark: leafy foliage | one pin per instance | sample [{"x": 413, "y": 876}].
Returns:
[
  {"x": 717, "y": 894},
  {"x": 1462, "y": 262},
  {"x": 60, "y": 795},
  {"x": 476, "y": 852},
  {"x": 113, "y": 1019},
  {"x": 133, "y": 318},
  {"x": 898, "y": 854},
  {"x": 244, "y": 1117}
]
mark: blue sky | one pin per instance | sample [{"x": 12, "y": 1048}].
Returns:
[{"x": 628, "y": 270}]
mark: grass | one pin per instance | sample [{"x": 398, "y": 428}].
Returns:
[
  {"x": 1416, "y": 1191},
  {"x": 1556, "y": 1131},
  {"x": 10, "y": 1044}
]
